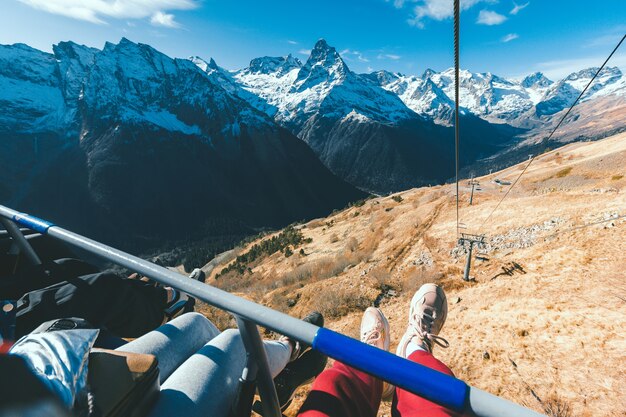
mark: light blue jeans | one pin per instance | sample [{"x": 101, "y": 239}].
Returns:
[{"x": 199, "y": 366}]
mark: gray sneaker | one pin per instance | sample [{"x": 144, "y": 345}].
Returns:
[{"x": 429, "y": 308}]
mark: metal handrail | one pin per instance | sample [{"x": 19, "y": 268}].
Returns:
[{"x": 442, "y": 389}]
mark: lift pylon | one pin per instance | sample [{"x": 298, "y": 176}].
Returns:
[{"x": 468, "y": 240}]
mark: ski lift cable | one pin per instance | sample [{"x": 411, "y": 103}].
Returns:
[
  {"x": 457, "y": 16},
  {"x": 553, "y": 131}
]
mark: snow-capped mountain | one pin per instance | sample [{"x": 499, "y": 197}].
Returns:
[
  {"x": 363, "y": 132},
  {"x": 339, "y": 114},
  {"x": 132, "y": 146},
  {"x": 420, "y": 94},
  {"x": 497, "y": 99},
  {"x": 293, "y": 92},
  {"x": 486, "y": 95},
  {"x": 562, "y": 94},
  {"x": 323, "y": 84},
  {"x": 104, "y": 119},
  {"x": 31, "y": 95},
  {"x": 535, "y": 81}
]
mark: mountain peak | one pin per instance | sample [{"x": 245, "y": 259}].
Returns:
[
  {"x": 293, "y": 61},
  {"x": 382, "y": 77},
  {"x": 274, "y": 65},
  {"x": 322, "y": 44},
  {"x": 123, "y": 45},
  {"x": 429, "y": 72},
  {"x": 73, "y": 50},
  {"x": 324, "y": 53},
  {"x": 201, "y": 63},
  {"x": 590, "y": 72},
  {"x": 324, "y": 65},
  {"x": 126, "y": 46},
  {"x": 536, "y": 79},
  {"x": 126, "y": 43}
]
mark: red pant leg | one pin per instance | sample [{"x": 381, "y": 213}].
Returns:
[
  {"x": 406, "y": 404},
  {"x": 342, "y": 391}
]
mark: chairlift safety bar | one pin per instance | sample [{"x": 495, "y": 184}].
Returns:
[{"x": 442, "y": 389}]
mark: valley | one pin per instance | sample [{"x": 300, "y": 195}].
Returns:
[{"x": 541, "y": 323}]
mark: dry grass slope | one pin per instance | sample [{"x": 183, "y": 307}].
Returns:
[{"x": 544, "y": 322}]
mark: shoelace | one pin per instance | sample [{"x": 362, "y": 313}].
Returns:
[
  {"x": 424, "y": 330},
  {"x": 372, "y": 336}
]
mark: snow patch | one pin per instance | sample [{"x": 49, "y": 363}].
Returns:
[{"x": 169, "y": 121}]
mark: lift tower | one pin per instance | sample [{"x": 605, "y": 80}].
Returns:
[
  {"x": 474, "y": 183},
  {"x": 468, "y": 241}
]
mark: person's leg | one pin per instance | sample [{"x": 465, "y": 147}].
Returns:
[
  {"x": 427, "y": 315},
  {"x": 406, "y": 404},
  {"x": 206, "y": 383},
  {"x": 173, "y": 343},
  {"x": 342, "y": 391},
  {"x": 304, "y": 366}
]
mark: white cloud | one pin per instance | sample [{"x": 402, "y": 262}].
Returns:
[
  {"x": 348, "y": 54},
  {"x": 96, "y": 11},
  {"x": 438, "y": 10},
  {"x": 398, "y": 4},
  {"x": 292, "y": 42},
  {"x": 489, "y": 18},
  {"x": 164, "y": 19},
  {"x": 393, "y": 57},
  {"x": 304, "y": 51},
  {"x": 517, "y": 7},
  {"x": 510, "y": 37}
]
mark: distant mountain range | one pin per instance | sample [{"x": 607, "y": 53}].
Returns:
[
  {"x": 496, "y": 99},
  {"x": 363, "y": 132},
  {"x": 385, "y": 131},
  {"x": 131, "y": 146},
  {"x": 128, "y": 139}
]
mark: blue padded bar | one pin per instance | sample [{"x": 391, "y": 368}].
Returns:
[
  {"x": 32, "y": 222},
  {"x": 428, "y": 383}
]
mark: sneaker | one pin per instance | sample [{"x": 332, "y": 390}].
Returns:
[
  {"x": 198, "y": 275},
  {"x": 298, "y": 348},
  {"x": 429, "y": 308},
  {"x": 375, "y": 332},
  {"x": 375, "y": 328},
  {"x": 302, "y": 370},
  {"x": 181, "y": 303}
]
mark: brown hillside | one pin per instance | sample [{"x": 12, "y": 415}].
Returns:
[{"x": 544, "y": 323}]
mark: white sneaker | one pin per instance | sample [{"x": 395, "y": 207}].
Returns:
[
  {"x": 429, "y": 308},
  {"x": 375, "y": 332}
]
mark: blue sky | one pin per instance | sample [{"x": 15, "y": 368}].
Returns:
[{"x": 501, "y": 36}]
